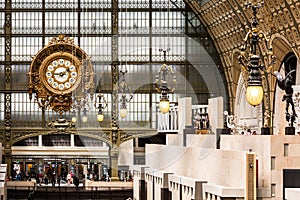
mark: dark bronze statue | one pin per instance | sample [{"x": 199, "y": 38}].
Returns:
[{"x": 286, "y": 85}]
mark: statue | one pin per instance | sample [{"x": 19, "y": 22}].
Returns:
[{"x": 286, "y": 85}]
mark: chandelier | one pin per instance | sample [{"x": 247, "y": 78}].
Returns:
[
  {"x": 165, "y": 72},
  {"x": 100, "y": 104},
  {"x": 250, "y": 60},
  {"x": 124, "y": 90}
]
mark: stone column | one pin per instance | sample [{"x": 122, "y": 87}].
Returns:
[
  {"x": 40, "y": 140},
  {"x": 72, "y": 143},
  {"x": 185, "y": 118},
  {"x": 215, "y": 113},
  {"x": 184, "y": 113}
]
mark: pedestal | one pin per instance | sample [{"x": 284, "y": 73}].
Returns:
[
  {"x": 187, "y": 130},
  {"x": 290, "y": 130},
  {"x": 265, "y": 131}
]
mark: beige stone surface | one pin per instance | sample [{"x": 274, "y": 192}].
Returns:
[
  {"x": 203, "y": 141},
  {"x": 126, "y": 154},
  {"x": 292, "y": 193},
  {"x": 211, "y": 165},
  {"x": 185, "y": 113},
  {"x": 260, "y": 144},
  {"x": 267, "y": 146},
  {"x": 215, "y": 113},
  {"x": 294, "y": 150}
]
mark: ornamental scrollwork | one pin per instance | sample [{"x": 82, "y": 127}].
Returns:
[
  {"x": 100, "y": 135},
  {"x": 21, "y": 135}
]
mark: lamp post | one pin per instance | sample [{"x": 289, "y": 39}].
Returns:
[
  {"x": 250, "y": 60},
  {"x": 161, "y": 84}
]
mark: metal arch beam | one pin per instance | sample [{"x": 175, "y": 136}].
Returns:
[
  {"x": 129, "y": 134},
  {"x": 104, "y": 135},
  {"x": 99, "y": 134}
]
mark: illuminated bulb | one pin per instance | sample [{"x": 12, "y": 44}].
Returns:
[
  {"x": 100, "y": 117},
  {"x": 123, "y": 112},
  {"x": 84, "y": 119},
  {"x": 74, "y": 120},
  {"x": 164, "y": 106},
  {"x": 254, "y": 94}
]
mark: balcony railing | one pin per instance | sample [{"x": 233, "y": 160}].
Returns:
[{"x": 168, "y": 123}]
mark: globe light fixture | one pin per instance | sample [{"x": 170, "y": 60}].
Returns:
[
  {"x": 74, "y": 119},
  {"x": 161, "y": 84},
  {"x": 80, "y": 104},
  {"x": 100, "y": 104},
  {"x": 124, "y": 90},
  {"x": 250, "y": 60},
  {"x": 100, "y": 117},
  {"x": 84, "y": 117},
  {"x": 164, "y": 105}
]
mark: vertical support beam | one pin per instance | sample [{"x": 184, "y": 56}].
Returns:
[
  {"x": 7, "y": 116},
  {"x": 114, "y": 154},
  {"x": 43, "y": 44},
  {"x": 40, "y": 141},
  {"x": 114, "y": 66},
  {"x": 72, "y": 142},
  {"x": 150, "y": 64},
  {"x": 78, "y": 22},
  {"x": 43, "y": 23}
]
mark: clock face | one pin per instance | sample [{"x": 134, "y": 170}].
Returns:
[{"x": 61, "y": 75}]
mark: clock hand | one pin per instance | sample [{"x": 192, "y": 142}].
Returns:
[{"x": 61, "y": 73}]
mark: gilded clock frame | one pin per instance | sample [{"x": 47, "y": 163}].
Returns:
[
  {"x": 60, "y": 100},
  {"x": 55, "y": 56}
]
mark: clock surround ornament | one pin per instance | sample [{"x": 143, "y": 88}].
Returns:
[{"x": 60, "y": 72}]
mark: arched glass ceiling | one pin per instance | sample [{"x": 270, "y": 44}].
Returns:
[{"x": 142, "y": 28}]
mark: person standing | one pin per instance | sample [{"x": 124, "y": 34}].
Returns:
[
  {"x": 69, "y": 178},
  {"x": 53, "y": 179},
  {"x": 76, "y": 181},
  {"x": 40, "y": 178}
]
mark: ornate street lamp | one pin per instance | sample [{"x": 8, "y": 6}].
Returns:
[
  {"x": 124, "y": 89},
  {"x": 161, "y": 84},
  {"x": 250, "y": 60}
]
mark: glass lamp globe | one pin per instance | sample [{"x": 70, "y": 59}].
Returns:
[
  {"x": 74, "y": 120},
  {"x": 84, "y": 119},
  {"x": 254, "y": 94},
  {"x": 123, "y": 112},
  {"x": 100, "y": 117},
  {"x": 164, "y": 106}
]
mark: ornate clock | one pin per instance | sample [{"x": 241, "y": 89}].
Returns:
[{"x": 58, "y": 71}]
